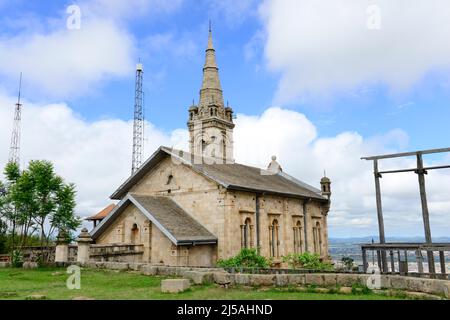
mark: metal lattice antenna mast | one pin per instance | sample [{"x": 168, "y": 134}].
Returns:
[
  {"x": 138, "y": 126},
  {"x": 14, "y": 152}
]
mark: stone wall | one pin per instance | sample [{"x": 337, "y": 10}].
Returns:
[{"x": 221, "y": 277}]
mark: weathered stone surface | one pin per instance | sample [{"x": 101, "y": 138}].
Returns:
[
  {"x": 121, "y": 266},
  {"x": 223, "y": 278},
  {"x": 198, "y": 277},
  {"x": 346, "y": 280},
  {"x": 345, "y": 290},
  {"x": 314, "y": 279},
  {"x": 5, "y": 264},
  {"x": 30, "y": 265},
  {"x": 135, "y": 266},
  {"x": 296, "y": 279},
  {"x": 174, "y": 285},
  {"x": 242, "y": 279},
  {"x": 398, "y": 282},
  {"x": 329, "y": 279},
  {"x": 262, "y": 279},
  {"x": 149, "y": 270},
  {"x": 281, "y": 280},
  {"x": 36, "y": 297}
]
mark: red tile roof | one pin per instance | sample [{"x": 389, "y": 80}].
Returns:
[{"x": 102, "y": 214}]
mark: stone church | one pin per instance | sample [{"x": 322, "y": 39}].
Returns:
[{"x": 192, "y": 208}]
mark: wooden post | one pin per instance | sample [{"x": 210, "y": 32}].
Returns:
[
  {"x": 364, "y": 258},
  {"x": 419, "y": 260},
  {"x": 391, "y": 253},
  {"x": 442, "y": 260},
  {"x": 380, "y": 214},
  {"x": 425, "y": 214},
  {"x": 406, "y": 262}
]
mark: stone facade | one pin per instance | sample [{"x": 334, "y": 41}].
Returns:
[{"x": 271, "y": 211}]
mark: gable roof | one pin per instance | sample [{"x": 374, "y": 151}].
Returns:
[
  {"x": 175, "y": 223},
  {"x": 231, "y": 176}
]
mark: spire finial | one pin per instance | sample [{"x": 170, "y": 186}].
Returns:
[{"x": 210, "y": 26}]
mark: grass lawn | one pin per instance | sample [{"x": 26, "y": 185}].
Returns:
[{"x": 110, "y": 285}]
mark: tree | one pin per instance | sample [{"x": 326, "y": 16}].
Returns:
[{"x": 37, "y": 199}]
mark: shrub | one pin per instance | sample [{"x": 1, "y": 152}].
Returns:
[
  {"x": 246, "y": 258},
  {"x": 348, "y": 262},
  {"x": 306, "y": 260},
  {"x": 16, "y": 259}
]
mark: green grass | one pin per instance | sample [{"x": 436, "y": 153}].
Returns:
[{"x": 110, "y": 285}]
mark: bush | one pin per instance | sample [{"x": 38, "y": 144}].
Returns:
[
  {"x": 311, "y": 261},
  {"x": 247, "y": 258},
  {"x": 348, "y": 262},
  {"x": 16, "y": 259}
]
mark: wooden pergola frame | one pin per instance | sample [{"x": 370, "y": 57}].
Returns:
[{"x": 421, "y": 171}]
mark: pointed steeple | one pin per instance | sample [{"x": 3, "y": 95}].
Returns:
[{"x": 211, "y": 91}]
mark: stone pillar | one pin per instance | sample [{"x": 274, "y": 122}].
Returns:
[
  {"x": 84, "y": 242},
  {"x": 62, "y": 248}
]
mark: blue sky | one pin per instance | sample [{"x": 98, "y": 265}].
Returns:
[{"x": 388, "y": 88}]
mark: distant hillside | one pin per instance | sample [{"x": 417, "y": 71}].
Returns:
[{"x": 358, "y": 240}]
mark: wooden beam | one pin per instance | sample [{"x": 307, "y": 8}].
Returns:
[
  {"x": 391, "y": 253},
  {"x": 380, "y": 213},
  {"x": 442, "y": 260},
  {"x": 425, "y": 213},
  {"x": 406, "y": 154},
  {"x": 415, "y": 169},
  {"x": 364, "y": 258},
  {"x": 419, "y": 260}
]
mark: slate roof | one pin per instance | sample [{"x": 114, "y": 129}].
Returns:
[
  {"x": 231, "y": 176},
  {"x": 167, "y": 216}
]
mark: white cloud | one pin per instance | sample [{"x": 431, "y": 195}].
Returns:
[
  {"x": 62, "y": 63},
  {"x": 68, "y": 63},
  {"x": 320, "y": 46},
  {"x": 96, "y": 156}
]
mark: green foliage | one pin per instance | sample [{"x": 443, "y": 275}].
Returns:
[
  {"x": 16, "y": 258},
  {"x": 348, "y": 262},
  {"x": 311, "y": 261},
  {"x": 246, "y": 258},
  {"x": 37, "y": 200}
]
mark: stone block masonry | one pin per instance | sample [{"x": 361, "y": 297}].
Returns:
[{"x": 174, "y": 285}]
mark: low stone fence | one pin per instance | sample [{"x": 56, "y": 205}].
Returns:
[
  {"x": 116, "y": 253},
  {"x": 222, "y": 277}
]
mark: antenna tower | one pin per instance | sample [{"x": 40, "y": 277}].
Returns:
[
  {"x": 14, "y": 151},
  {"x": 138, "y": 126}
]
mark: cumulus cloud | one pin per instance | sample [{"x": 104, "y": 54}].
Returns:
[
  {"x": 303, "y": 153},
  {"x": 59, "y": 62},
  {"x": 96, "y": 156},
  {"x": 320, "y": 46}
]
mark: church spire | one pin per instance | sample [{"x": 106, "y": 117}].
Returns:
[{"x": 211, "y": 91}]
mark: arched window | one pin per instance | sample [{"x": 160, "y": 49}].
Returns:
[
  {"x": 169, "y": 179},
  {"x": 298, "y": 237},
  {"x": 317, "y": 234},
  {"x": 134, "y": 234},
  {"x": 274, "y": 240},
  {"x": 247, "y": 234}
]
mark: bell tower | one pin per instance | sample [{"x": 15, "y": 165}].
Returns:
[{"x": 210, "y": 122}]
